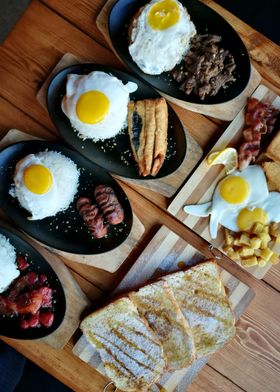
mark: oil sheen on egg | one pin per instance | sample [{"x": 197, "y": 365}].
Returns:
[
  {"x": 45, "y": 183},
  {"x": 160, "y": 36},
  {"x": 233, "y": 193},
  {"x": 96, "y": 104}
]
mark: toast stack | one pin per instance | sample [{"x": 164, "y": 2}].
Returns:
[
  {"x": 163, "y": 326},
  {"x": 272, "y": 169}
]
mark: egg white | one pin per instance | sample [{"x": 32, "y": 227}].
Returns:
[
  {"x": 221, "y": 211},
  {"x": 157, "y": 51},
  {"x": 116, "y": 92},
  {"x": 65, "y": 176}
]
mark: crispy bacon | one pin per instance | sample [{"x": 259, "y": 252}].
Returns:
[{"x": 260, "y": 118}]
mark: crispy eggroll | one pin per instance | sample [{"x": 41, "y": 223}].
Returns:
[{"x": 160, "y": 145}]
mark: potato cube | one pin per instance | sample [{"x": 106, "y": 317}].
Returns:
[
  {"x": 266, "y": 254},
  {"x": 274, "y": 229},
  {"x": 274, "y": 259},
  {"x": 255, "y": 242},
  {"x": 234, "y": 256},
  {"x": 257, "y": 228},
  {"x": 277, "y": 239},
  {"x": 249, "y": 262},
  {"x": 236, "y": 242},
  {"x": 228, "y": 249},
  {"x": 265, "y": 238},
  {"x": 244, "y": 239},
  {"x": 266, "y": 229},
  {"x": 257, "y": 252},
  {"x": 262, "y": 263},
  {"x": 228, "y": 238},
  {"x": 246, "y": 251}
]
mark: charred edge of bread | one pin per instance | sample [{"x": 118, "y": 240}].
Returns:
[{"x": 273, "y": 150}]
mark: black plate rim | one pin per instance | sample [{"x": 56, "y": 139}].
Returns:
[
  {"x": 44, "y": 243},
  {"x": 139, "y": 74},
  {"x": 7, "y": 231},
  {"x": 134, "y": 76}
]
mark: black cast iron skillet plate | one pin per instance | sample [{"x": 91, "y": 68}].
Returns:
[
  {"x": 206, "y": 21},
  {"x": 114, "y": 154},
  {"x": 65, "y": 231},
  {"x": 9, "y": 327}
]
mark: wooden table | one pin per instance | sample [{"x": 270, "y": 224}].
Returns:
[{"x": 47, "y": 30}]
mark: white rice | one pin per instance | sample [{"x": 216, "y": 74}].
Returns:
[{"x": 8, "y": 266}]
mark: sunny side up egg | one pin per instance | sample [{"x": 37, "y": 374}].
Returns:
[
  {"x": 160, "y": 36},
  {"x": 45, "y": 183},
  {"x": 96, "y": 104},
  {"x": 240, "y": 200}
]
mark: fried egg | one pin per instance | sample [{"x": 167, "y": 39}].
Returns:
[
  {"x": 240, "y": 200},
  {"x": 96, "y": 104},
  {"x": 45, "y": 183},
  {"x": 160, "y": 36}
]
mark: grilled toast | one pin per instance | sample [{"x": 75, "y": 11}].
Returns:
[
  {"x": 273, "y": 150},
  {"x": 131, "y": 354},
  {"x": 272, "y": 172},
  {"x": 201, "y": 297},
  {"x": 155, "y": 302}
]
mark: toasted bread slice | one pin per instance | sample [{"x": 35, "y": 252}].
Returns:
[
  {"x": 273, "y": 150},
  {"x": 202, "y": 299},
  {"x": 131, "y": 354},
  {"x": 272, "y": 172},
  {"x": 156, "y": 303}
]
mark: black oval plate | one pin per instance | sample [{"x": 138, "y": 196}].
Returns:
[
  {"x": 65, "y": 231},
  {"x": 9, "y": 327},
  {"x": 206, "y": 21},
  {"x": 114, "y": 154}
]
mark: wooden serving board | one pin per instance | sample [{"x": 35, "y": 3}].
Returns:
[
  {"x": 162, "y": 255},
  {"x": 166, "y": 186},
  {"x": 76, "y": 300},
  {"x": 108, "y": 261},
  {"x": 223, "y": 111},
  {"x": 200, "y": 186}
]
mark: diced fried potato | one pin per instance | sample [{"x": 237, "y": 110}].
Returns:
[
  {"x": 265, "y": 238},
  {"x": 246, "y": 251},
  {"x": 249, "y": 262},
  {"x": 228, "y": 249},
  {"x": 274, "y": 259},
  {"x": 266, "y": 229},
  {"x": 257, "y": 228},
  {"x": 244, "y": 239},
  {"x": 234, "y": 256},
  {"x": 266, "y": 254},
  {"x": 257, "y": 252},
  {"x": 277, "y": 239},
  {"x": 236, "y": 242},
  {"x": 262, "y": 262},
  {"x": 274, "y": 229},
  {"x": 255, "y": 242},
  {"x": 228, "y": 237}
]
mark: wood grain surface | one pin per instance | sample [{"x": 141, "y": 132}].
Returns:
[
  {"x": 201, "y": 185},
  {"x": 44, "y": 33}
]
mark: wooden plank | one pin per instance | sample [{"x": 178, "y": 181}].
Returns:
[
  {"x": 263, "y": 52},
  {"x": 200, "y": 187},
  {"x": 160, "y": 257},
  {"x": 25, "y": 64},
  {"x": 210, "y": 380}
]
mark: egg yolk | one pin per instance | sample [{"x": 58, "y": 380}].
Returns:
[
  {"x": 163, "y": 15},
  {"x": 92, "y": 107},
  {"x": 38, "y": 179},
  {"x": 247, "y": 218},
  {"x": 234, "y": 189}
]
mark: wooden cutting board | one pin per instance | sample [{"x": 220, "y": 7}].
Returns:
[
  {"x": 200, "y": 186},
  {"x": 76, "y": 300},
  {"x": 166, "y": 186},
  {"x": 162, "y": 255},
  {"x": 223, "y": 111},
  {"x": 108, "y": 261}
]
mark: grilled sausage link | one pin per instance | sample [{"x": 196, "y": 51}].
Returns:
[
  {"x": 109, "y": 204},
  {"x": 92, "y": 217}
]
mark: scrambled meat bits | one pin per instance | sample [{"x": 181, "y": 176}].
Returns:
[{"x": 206, "y": 68}]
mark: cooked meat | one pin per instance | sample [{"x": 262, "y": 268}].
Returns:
[
  {"x": 92, "y": 217},
  {"x": 260, "y": 119},
  {"x": 109, "y": 204},
  {"x": 207, "y": 67}
]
